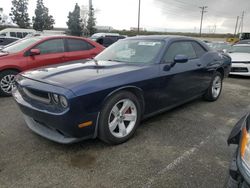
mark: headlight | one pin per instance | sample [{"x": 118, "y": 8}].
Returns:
[
  {"x": 245, "y": 147},
  {"x": 55, "y": 98},
  {"x": 63, "y": 101}
]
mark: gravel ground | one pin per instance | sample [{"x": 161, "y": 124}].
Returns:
[{"x": 184, "y": 147}]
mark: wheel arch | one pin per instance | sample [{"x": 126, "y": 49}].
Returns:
[
  {"x": 138, "y": 92},
  {"x": 11, "y": 69},
  {"x": 221, "y": 70}
]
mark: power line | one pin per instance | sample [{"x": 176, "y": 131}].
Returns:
[{"x": 203, "y": 10}]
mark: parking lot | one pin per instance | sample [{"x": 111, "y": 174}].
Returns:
[{"x": 185, "y": 147}]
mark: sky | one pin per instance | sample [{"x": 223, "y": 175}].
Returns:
[{"x": 160, "y": 15}]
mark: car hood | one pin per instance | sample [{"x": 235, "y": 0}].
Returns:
[
  {"x": 240, "y": 56},
  {"x": 73, "y": 75}
]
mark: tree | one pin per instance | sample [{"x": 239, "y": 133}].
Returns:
[
  {"x": 75, "y": 22},
  {"x": 19, "y": 14},
  {"x": 42, "y": 20},
  {"x": 84, "y": 17},
  {"x": 91, "y": 21}
]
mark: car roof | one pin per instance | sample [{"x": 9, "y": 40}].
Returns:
[
  {"x": 55, "y": 36},
  {"x": 161, "y": 37}
]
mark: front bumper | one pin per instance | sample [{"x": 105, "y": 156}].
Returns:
[
  {"x": 236, "y": 178},
  {"x": 50, "y": 133},
  {"x": 59, "y": 127},
  {"x": 240, "y": 69}
]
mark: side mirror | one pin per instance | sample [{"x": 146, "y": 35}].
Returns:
[
  {"x": 34, "y": 52},
  {"x": 181, "y": 59}
]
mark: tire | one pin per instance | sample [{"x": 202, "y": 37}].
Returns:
[
  {"x": 113, "y": 126},
  {"x": 215, "y": 88},
  {"x": 6, "y": 80}
]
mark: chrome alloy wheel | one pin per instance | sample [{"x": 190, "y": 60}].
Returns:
[
  {"x": 7, "y": 83},
  {"x": 122, "y": 118},
  {"x": 216, "y": 87}
]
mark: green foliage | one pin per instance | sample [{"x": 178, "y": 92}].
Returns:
[
  {"x": 91, "y": 22},
  {"x": 75, "y": 22},
  {"x": 19, "y": 14},
  {"x": 42, "y": 20}
]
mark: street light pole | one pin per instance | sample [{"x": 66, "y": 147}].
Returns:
[{"x": 139, "y": 14}]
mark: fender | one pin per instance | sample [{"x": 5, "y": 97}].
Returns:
[{"x": 124, "y": 88}]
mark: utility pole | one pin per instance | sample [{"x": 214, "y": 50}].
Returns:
[
  {"x": 236, "y": 25},
  {"x": 215, "y": 26},
  {"x": 203, "y": 10},
  {"x": 242, "y": 21},
  {"x": 139, "y": 14}
]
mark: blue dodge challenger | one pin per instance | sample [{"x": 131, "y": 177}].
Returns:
[{"x": 107, "y": 97}]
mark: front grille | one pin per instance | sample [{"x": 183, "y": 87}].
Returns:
[
  {"x": 239, "y": 69},
  {"x": 37, "y": 95},
  {"x": 244, "y": 62},
  {"x": 33, "y": 94}
]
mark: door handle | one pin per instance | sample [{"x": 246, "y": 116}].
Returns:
[{"x": 198, "y": 64}]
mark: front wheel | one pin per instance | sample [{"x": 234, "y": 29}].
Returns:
[
  {"x": 215, "y": 88},
  {"x": 6, "y": 81},
  {"x": 119, "y": 118}
]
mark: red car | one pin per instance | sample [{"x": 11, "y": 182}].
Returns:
[{"x": 42, "y": 51}]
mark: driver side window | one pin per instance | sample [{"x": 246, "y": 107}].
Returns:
[
  {"x": 51, "y": 46},
  {"x": 179, "y": 48}
]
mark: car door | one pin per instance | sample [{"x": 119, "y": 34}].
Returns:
[
  {"x": 79, "y": 49},
  {"x": 179, "y": 81},
  {"x": 51, "y": 52}
]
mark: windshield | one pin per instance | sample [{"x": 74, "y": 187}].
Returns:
[
  {"x": 20, "y": 45},
  {"x": 132, "y": 51},
  {"x": 241, "y": 49}
]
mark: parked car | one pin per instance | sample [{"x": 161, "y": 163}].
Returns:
[
  {"x": 239, "y": 172},
  {"x": 244, "y": 42},
  {"x": 40, "y": 51},
  {"x": 240, "y": 54},
  {"x": 106, "y": 39},
  {"x": 107, "y": 97},
  {"x": 6, "y": 41},
  {"x": 220, "y": 46},
  {"x": 22, "y": 33}
]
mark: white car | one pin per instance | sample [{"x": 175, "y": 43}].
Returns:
[{"x": 240, "y": 55}]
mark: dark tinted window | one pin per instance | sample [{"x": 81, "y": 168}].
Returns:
[
  {"x": 19, "y": 35},
  {"x": 13, "y": 34},
  {"x": 78, "y": 45},
  {"x": 200, "y": 51},
  {"x": 107, "y": 41},
  {"x": 25, "y": 34},
  {"x": 51, "y": 46},
  {"x": 5, "y": 41},
  {"x": 180, "y": 48}
]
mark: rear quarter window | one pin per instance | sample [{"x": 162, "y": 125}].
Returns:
[{"x": 78, "y": 45}]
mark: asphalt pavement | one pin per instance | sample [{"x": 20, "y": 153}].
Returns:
[{"x": 184, "y": 147}]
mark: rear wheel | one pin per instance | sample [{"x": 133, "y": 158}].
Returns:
[
  {"x": 215, "y": 88},
  {"x": 6, "y": 81},
  {"x": 119, "y": 118}
]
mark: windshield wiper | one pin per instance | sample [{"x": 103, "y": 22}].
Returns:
[
  {"x": 114, "y": 60},
  {"x": 1, "y": 50}
]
